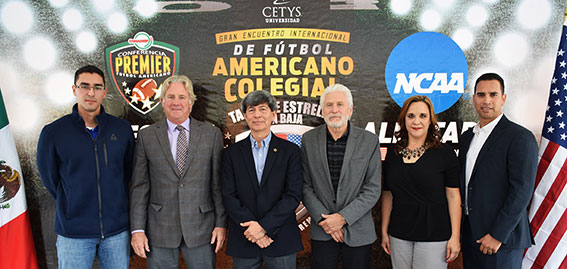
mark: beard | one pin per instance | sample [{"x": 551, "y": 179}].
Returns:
[{"x": 336, "y": 124}]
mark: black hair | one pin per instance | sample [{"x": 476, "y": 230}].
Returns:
[
  {"x": 490, "y": 76},
  {"x": 89, "y": 69},
  {"x": 257, "y": 98}
]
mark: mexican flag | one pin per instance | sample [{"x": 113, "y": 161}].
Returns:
[{"x": 17, "y": 249}]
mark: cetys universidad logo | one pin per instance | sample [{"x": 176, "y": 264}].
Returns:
[{"x": 427, "y": 63}]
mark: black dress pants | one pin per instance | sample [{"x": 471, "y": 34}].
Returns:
[{"x": 325, "y": 255}]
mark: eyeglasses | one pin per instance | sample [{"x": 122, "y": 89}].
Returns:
[{"x": 86, "y": 88}]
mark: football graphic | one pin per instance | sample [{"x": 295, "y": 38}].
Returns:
[{"x": 145, "y": 88}]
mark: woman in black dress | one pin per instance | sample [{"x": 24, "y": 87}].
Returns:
[{"x": 421, "y": 203}]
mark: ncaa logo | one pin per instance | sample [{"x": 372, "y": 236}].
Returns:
[{"x": 427, "y": 63}]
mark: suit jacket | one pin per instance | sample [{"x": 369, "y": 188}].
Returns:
[
  {"x": 501, "y": 184},
  {"x": 358, "y": 189},
  {"x": 271, "y": 203},
  {"x": 170, "y": 206}
]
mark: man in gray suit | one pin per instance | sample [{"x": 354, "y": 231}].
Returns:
[
  {"x": 342, "y": 175},
  {"x": 175, "y": 197}
]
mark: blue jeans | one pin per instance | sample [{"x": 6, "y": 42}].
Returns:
[{"x": 77, "y": 253}]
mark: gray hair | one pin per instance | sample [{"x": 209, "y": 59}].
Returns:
[
  {"x": 182, "y": 79},
  {"x": 337, "y": 88},
  {"x": 257, "y": 98}
]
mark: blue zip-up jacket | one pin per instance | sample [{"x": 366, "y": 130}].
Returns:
[{"x": 88, "y": 177}]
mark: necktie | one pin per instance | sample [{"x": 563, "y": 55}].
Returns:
[{"x": 181, "y": 157}]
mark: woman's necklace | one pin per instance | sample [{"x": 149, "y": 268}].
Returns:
[{"x": 413, "y": 153}]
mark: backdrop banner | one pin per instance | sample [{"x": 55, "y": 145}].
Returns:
[{"x": 384, "y": 51}]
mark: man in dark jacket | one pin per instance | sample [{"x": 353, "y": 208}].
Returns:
[
  {"x": 499, "y": 164},
  {"x": 85, "y": 160},
  {"x": 261, "y": 187}
]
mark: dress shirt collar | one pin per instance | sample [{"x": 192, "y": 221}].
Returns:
[
  {"x": 171, "y": 126},
  {"x": 487, "y": 128},
  {"x": 265, "y": 141}
]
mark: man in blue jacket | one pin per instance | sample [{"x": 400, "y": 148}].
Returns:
[{"x": 85, "y": 160}]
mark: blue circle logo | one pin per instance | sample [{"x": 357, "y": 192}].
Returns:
[{"x": 427, "y": 63}]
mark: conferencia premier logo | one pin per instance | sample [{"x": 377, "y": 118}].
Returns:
[
  {"x": 137, "y": 68},
  {"x": 427, "y": 63}
]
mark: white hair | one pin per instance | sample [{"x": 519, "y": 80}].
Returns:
[{"x": 337, "y": 88}]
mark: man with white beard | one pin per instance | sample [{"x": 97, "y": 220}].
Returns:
[{"x": 342, "y": 172}]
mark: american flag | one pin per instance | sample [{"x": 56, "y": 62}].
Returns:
[{"x": 548, "y": 210}]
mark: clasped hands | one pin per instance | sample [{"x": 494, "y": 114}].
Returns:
[
  {"x": 256, "y": 234},
  {"x": 333, "y": 224}
]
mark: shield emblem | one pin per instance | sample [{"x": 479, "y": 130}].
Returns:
[{"x": 138, "y": 67}]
